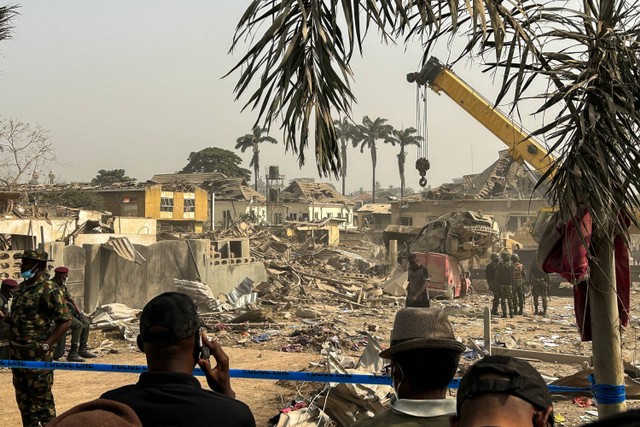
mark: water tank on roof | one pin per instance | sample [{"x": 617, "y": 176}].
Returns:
[{"x": 274, "y": 172}]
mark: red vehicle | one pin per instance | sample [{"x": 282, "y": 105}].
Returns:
[{"x": 447, "y": 276}]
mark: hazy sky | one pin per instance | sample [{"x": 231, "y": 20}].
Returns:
[{"x": 138, "y": 85}]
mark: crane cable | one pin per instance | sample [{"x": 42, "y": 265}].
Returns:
[{"x": 422, "y": 154}]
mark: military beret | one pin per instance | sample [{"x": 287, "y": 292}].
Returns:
[
  {"x": 10, "y": 282},
  {"x": 62, "y": 269}
]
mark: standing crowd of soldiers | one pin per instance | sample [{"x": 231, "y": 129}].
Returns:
[{"x": 506, "y": 277}]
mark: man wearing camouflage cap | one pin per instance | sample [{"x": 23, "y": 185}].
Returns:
[{"x": 37, "y": 304}]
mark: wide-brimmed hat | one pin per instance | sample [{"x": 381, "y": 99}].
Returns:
[
  {"x": 35, "y": 254},
  {"x": 421, "y": 328}
]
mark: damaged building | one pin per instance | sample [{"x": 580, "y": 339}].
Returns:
[{"x": 504, "y": 190}]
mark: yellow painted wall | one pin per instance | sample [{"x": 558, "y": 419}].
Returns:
[{"x": 152, "y": 201}]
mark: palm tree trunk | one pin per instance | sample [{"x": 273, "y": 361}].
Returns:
[
  {"x": 256, "y": 166},
  {"x": 605, "y": 321},
  {"x": 344, "y": 166},
  {"x": 374, "y": 160},
  {"x": 401, "y": 159}
]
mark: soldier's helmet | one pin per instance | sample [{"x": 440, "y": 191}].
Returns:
[
  {"x": 515, "y": 258},
  {"x": 494, "y": 256},
  {"x": 504, "y": 256}
]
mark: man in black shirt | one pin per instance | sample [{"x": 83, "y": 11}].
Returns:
[{"x": 169, "y": 395}]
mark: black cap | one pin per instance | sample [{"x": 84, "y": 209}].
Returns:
[
  {"x": 521, "y": 380},
  {"x": 170, "y": 316}
]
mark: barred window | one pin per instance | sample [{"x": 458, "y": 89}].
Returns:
[{"x": 166, "y": 204}]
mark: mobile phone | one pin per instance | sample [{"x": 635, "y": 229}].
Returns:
[{"x": 204, "y": 350}]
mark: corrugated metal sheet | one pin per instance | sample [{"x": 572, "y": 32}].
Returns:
[{"x": 124, "y": 248}]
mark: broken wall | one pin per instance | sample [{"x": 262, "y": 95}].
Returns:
[
  {"x": 111, "y": 278},
  {"x": 99, "y": 238}
]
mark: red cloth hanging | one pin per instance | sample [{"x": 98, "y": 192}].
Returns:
[{"x": 564, "y": 250}]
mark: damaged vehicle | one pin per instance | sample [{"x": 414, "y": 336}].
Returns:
[{"x": 462, "y": 234}]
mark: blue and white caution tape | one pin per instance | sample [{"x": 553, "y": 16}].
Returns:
[
  {"x": 604, "y": 393},
  {"x": 235, "y": 373}
]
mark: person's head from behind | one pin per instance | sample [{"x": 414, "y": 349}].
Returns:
[
  {"x": 503, "y": 391},
  {"x": 170, "y": 332},
  {"x": 494, "y": 257},
  {"x": 99, "y": 412},
  {"x": 423, "y": 354}
]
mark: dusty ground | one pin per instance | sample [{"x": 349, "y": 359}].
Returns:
[{"x": 341, "y": 326}]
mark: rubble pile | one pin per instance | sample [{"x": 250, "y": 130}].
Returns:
[{"x": 339, "y": 303}]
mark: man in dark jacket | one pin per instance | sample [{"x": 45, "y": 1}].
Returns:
[{"x": 168, "y": 394}]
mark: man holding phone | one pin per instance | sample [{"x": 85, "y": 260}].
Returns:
[{"x": 168, "y": 394}]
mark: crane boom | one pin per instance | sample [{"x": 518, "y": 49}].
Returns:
[{"x": 523, "y": 146}]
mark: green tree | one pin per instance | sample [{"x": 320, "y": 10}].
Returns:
[
  {"x": 366, "y": 135},
  {"x": 403, "y": 138},
  {"x": 214, "y": 159},
  {"x": 109, "y": 177},
  {"x": 587, "y": 50},
  {"x": 252, "y": 140},
  {"x": 345, "y": 130}
]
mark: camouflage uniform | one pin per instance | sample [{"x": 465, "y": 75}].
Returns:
[
  {"x": 504, "y": 283},
  {"x": 35, "y": 308},
  {"x": 539, "y": 288},
  {"x": 518, "y": 284},
  {"x": 4, "y": 325},
  {"x": 79, "y": 327},
  {"x": 490, "y": 274}
]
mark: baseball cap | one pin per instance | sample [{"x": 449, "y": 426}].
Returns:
[
  {"x": 35, "y": 254},
  {"x": 521, "y": 380},
  {"x": 421, "y": 328},
  {"x": 170, "y": 316}
]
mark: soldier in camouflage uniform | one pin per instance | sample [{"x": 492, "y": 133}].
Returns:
[
  {"x": 518, "y": 284},
  {"x": 539, "y": 288},
  {"x": 504, "y": 283},
  {"x": 490, "y": 274},
  {"x": 39, "y": 317},
  {"x": 7, "y": 289}
]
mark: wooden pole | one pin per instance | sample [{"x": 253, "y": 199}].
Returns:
[{"x": 605, "y": 322}]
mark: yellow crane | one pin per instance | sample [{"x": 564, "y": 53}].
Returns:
[{"x": 523, "y": 146}]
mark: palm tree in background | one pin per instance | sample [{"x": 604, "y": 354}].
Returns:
[
  {"x": 253, "y": 140},
  {"x": 7, "y": 13},
  {"x": 366, "y": 135},
  {"x": 587, "y": 52},
  {"x": 344, "y": 133},
  {"x": 403, "y": 138}
]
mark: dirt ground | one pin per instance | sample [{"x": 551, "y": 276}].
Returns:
[{"x": 342, "y": 326}]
